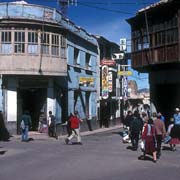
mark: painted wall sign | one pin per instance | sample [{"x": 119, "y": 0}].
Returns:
[{"x": 86, "y": 81}]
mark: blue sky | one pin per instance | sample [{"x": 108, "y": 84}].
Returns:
[{"x": 104, "y": 17}]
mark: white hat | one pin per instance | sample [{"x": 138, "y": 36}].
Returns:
[{"x": 177, "y": 109}]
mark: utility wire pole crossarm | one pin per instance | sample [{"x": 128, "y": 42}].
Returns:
[{"x": 64, "y": 5}]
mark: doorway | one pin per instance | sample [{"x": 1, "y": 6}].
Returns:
[{"x": 35, "y": 101}]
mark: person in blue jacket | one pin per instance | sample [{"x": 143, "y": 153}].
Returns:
[{"x": 25, "y": 125}]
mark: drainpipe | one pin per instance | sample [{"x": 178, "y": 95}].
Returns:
[
  {"x": 1, "y": 93},
  {"x": 98, "y": 83}
]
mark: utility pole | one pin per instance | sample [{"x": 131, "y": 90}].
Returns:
[
  {"x": 64, "y": 5},
  {"x": 122, "y": 74}
]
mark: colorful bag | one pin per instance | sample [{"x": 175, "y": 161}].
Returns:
[
  {"x": 22, "y": 125},
  {"x": 142, "y": 145},
  {"x": 167, "y": 139}
]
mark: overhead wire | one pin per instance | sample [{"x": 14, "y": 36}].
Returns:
[
  {"x": 108, "y": 2},
  {"x": 105, "y": 9},
  {"x": 92, "y": 4}
]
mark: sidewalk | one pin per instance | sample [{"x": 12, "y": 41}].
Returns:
[{"x": 42, "y": 136}]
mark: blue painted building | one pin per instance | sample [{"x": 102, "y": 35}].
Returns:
[{"x": 46, "y": 63}]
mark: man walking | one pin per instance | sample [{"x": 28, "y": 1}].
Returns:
[
  {"x": 160, "y": 133},
  {"x": 136, "y": 126},
  {"x": 52, "y": 125},
  {"x": 25, "y": 125},
  {"x": 75, "y": 127}
]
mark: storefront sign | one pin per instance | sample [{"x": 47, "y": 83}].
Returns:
[
  {"x": 125, "y": 87},
  {"x": 124, "y": 73},
  {"x": 108, "y": 62}
]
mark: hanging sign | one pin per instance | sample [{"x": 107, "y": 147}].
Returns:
[
  {"x": 110, "y": 81},
  {"x": 123, "y": 44},
  {"x": 124, "y": 73},
  {"x": 105, "y": 90}
]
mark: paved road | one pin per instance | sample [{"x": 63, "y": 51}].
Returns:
[{"x": 101, "y": 157}]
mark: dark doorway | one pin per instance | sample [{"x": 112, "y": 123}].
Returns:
[
  {"x": 33, "y": 100},
  {"x": 166, "y": 98}
]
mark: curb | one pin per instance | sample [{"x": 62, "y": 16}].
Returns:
[{"x": 40, "y": 136}]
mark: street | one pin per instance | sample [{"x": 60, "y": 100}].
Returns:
[{"x": 102, "y": 156}]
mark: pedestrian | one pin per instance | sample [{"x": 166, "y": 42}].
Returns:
[
  {"x": 127, "y": 122},
  {"x": 4, "y": 134},
  {"x": 75, "y": 127},
  {"x": 154, "y": 116},
  {"x": 69, "y": 130},
  {"x": 136, "y": 126},
  {"x": 43, "y": 128},
  {"x": 176, "y": 116},
  {"x": 26, "y": 124},
  {"x": 52, "y": 125},
  {"x": 161, "y": 117},
  {"x": 174, "y": 136},
  {"x": 128, "y": 119},
  {"x": 145, "y": 117},
  {"x": 149, "y": 139},
  {"x": 160, "y": 131}
]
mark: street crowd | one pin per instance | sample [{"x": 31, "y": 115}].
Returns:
[{"x": 150, "y": 132}]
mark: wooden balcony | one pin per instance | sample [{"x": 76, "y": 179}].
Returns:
[{"x": 142, "y": 60}]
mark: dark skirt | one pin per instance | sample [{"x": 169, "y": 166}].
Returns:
[
  {"x": 150, "y": 145},
  {"x": 175, "y": 131}
]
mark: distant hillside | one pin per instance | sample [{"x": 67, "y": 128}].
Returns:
[{"x": 144, "y": 90}]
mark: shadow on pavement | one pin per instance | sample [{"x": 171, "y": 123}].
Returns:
[
  {"x": 119, "y": 133},
  {"x": 145, "y": 158},
  {"x": 131, "y": 148},
  {"x": 2, "y": 152},
  {"x": 166, "y": 148}
]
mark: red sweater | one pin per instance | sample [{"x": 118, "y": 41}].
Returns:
[{"x": 75, "y": 121}]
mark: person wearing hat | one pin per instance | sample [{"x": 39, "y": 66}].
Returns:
[
  {"x": 176, "y": 116},
  {"x": 175, "y": 132},
  {"x": 75, "y": 127}
]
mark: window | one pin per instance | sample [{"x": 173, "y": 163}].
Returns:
[
  {"x": 6, "y": 46},
  {"x": 145, "y": 42},
  {"x": 88, "y": 57},
  {"x": 76, "y": 56},
  {"x": 55, "y": 45},
  {"x": 19, "y": 42},
  {"x": 63, "y": 46},
  {"x": 160, "y": 38},
  {"x": 172, "y": 36},
  {"x": 45, "y": 43},
  {"x": 137, "y": 44},
  {"x": 32, "y": 42}
]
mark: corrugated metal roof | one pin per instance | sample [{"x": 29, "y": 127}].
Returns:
[{"x": 154, "y": 5}]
